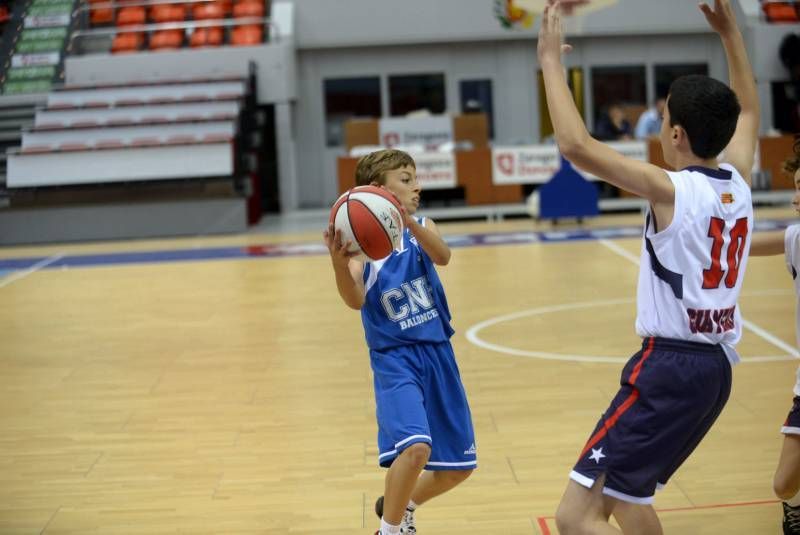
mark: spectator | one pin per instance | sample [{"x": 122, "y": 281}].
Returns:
[
  {"x": 613, "y": 126},
  {"x": 649, "y": 123}
]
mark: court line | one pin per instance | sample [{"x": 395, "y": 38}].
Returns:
[
  {"x": 473, "y": 337},
  {"x": 749, "y": 325},
  {"x": 19, "y": 275},
  {"x": 545, "y": 528}
]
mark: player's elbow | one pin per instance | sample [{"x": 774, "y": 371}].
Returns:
[
  {"x": 574, "y": 148},
  {"x": 442, "y": 258}
]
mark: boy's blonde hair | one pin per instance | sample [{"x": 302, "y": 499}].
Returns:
[
  {"x": 792, "y": 164},
  {"x": 372, "y": 167}
]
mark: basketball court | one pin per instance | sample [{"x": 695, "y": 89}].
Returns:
[{"x": 218, "y": 385}]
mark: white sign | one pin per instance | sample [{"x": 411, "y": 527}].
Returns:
[
  {"x": 26, "y": 60},
  {"x": 536, "y": 164},
  {"x": 426, "y": 131},
  {"x": 46, "y": 21},
  {"x": 524, "y": 165},
  {"x": 436, "y": 170}
]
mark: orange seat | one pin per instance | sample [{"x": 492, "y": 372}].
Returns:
[
  {"x": 168, "y": 13},
  {"x": 206, "y": 37},
  {"x": 781, "y": 11},
  {"x": 166, "y": 39},
  {"x": 208, "y": 11},
  {"x": 127, "y": 42},
  {"x": 248, "y": 8},
  {"x": 130, "y": 16},
  {"x": 101, "y": 15},
  {"x": 247, "y": 35}
]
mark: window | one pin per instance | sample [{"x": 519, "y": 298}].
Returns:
[
  {"x": 665, "y": 74},
  {"x": 575, "y": 83},
  {"x": 416, "y": 92},
  {"x": 346, "y": 98},
  {"x": 624, "y": 85},
  {"x": 476, "y": 97}
]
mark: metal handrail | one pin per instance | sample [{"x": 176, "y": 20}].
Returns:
[{"x": 212, "y": 23}]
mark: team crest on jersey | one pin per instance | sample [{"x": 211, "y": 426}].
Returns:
[{"x": 727, "y": 198}]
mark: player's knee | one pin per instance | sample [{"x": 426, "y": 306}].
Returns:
[
  {"x": 567, "y": 521},
  {"x": 572, "y": 522},
  {"x": 418, "y": 454},
  {"x": 785, "y": 487},
  {"x": 455, "y": 477}
]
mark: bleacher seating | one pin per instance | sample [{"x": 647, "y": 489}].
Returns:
[
  {"x": 785, "y": 11},
  {"x": 155, "y": 25},
  {"x": 180, "y": 130}
]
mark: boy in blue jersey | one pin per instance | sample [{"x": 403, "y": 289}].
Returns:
[{"x": 424, "y": 420}]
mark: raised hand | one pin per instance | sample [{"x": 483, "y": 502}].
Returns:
[
  {"x": 339, "y": 251},
  {"x": 721, "y": 18},
  {"x": 551, "y": 35}
]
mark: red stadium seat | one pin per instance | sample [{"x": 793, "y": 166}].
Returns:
[
  {"x": 168, "y": 13},
  {"x": 248, "y": 8},
  {"x": 131, "y": 16},
  {"x": 208, "y": 11},
  {"x": 166, "y": 39},
  {"x": 781, "y": 11},
  {"x": 206, "y": 37},
  {"x": 247, "y": 35},
  {"x": 127, "y": 42}
]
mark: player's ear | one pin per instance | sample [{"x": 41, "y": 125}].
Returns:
[{"x": 677, "y": 135}]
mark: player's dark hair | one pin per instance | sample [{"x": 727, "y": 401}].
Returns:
[
  {"x": 792, "y": 164},
  {"x": 372, "y": 167},
  {"x": 707, "y": 109}
]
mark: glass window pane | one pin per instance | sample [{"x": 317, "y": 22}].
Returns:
[
  {"x": 476, "y": 97},
  {"x": 619, "y": 94},
  {"x": 346, "y": 98},
  {"x": 416, "y": 92},
  {"x": 665, "y": 74}
]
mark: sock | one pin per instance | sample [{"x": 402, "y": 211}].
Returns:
[
  {"x": 411, "y": 505},
  {"x": 794, "y": 501},
  {"x": 389, "y": 529}
]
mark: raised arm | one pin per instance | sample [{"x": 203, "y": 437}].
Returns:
[
  {"x": 574, "y": 140},
  {"x": 740, "y": 151}
]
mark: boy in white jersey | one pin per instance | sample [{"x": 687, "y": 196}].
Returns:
[
  {"x": 424, "y": 420},
  {"x": 787, "y": 475},
  {"x": 694, "y": 255}
]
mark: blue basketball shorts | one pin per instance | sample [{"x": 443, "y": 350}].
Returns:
[
  {"x": 420, "y": 399},
  {"x": 671, "y": 392},
  {"x": 792, "y": 424}
]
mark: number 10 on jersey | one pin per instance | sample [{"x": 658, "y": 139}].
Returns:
[{"x": 738, "y": 234}]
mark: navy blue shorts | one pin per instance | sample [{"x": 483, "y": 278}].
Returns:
[
  {"x": 671, "y": 393},
  {"x": 792, "y": 424},
  {"x": 419, "y": 398}
]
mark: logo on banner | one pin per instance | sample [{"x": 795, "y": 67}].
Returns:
[
  {"x": 511, "y": 15},
  {"x": 391, "y": 139},
  {"x": 505, "y": 162}
]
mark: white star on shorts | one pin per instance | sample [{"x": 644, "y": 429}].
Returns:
[{"x": 596, "y": 455}]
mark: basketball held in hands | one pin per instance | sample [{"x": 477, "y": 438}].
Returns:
[{"x": 371, "y": 218}]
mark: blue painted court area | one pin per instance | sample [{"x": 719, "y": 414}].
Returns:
[{"x": 308, "y": 249}]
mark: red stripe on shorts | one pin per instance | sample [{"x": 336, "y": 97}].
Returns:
[{"x": 609, "y": 423}]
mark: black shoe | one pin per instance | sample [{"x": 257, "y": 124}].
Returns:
[{"x": 791, "y": 519}]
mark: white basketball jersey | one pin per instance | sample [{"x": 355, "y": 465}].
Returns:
[
  {"x": 691, "y": 271},
  {"x": 791, "y": 241}
]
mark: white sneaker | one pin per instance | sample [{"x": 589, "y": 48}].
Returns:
[{"x": 407, "y": 525}]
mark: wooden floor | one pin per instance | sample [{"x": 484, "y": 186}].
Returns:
[{"x": 234, "y": 396}]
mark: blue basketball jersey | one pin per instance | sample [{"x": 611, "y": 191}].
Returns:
[{"x": 404, "y": 302}]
